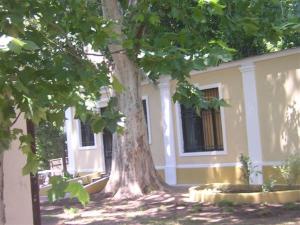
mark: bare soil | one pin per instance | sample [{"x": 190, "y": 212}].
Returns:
[{"x": 158, "y": 208}]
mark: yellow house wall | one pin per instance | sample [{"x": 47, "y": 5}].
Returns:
[
  {"x": 157, "y": 145},
  {"x": 92, "y": 158},
  {"x": 209, "y": 175},
  {"x": 234, "y": 117},
  {"x": 278, "y": 91},
  {"x": 17, "y": 189}
]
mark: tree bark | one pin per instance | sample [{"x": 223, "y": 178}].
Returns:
[
  {"x": 64, "y": 162},
  {"x": 35, "y": 198},
  {"x": 2, "y": 205},
  {"x": 133, "y": 173}
]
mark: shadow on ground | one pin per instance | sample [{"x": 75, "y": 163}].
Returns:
[{"x": 158, "y": 208}]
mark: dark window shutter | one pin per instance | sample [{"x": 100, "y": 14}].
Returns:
[
  {"x": 87, "y": 135},
  {"x": 202, "y": 133}
]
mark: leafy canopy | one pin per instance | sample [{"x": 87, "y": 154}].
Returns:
[
  {"x": 50, "y": 144},
  {"x": 175, "y": 37},
  {"x": 44, "y": 68}
]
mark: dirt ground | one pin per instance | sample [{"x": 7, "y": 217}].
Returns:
[{"x": 159, "y": 208}]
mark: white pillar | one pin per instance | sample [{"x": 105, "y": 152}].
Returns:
[
  {"x": 252, "y": 120},
  {"x": 70, "y": 140},
  {"x": 168, "y": 130}
]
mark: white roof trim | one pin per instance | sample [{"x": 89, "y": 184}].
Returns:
[
  {"x": 251, "y": 59},
  {"x": 239, "y": 62}
]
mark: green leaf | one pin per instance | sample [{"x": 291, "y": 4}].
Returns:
[
  {"x": 223, "y": 45},
  {"x": 31, "y": 165},
  {"x": 27, "y": 139},
  {"x": 26, "y": 149},
  {"x": 296, "y": 27},
  {"x": 20, "y": 86},
  {"x": 39, "y": 114},
  {"x": 250, "y": 25},
  {"x": 30, "y": 45},
  {"x": 16, "y": 45},
  {"x": 76, "y": 190},
  {"x": 139, "y": 18},
  {"x": 223, "y": 103},
  {"x": 128, "y": 44},
  {"x": 98, "y": 125},
  {"x": 154, "y": 19},
  {"x": 58, "y": 188}
]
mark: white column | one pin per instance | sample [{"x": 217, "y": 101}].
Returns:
[
  {"x": 252, "y": 120},
  {"x": 70, "y": 140},
  {"x": 168, "y": 130}
]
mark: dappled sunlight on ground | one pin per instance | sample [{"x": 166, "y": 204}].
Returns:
[{"x": 158, "y": 208}]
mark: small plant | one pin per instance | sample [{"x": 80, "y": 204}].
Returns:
[
  {"x": 290, "y": 169},
  {"x": 71, "y": 211},
  {"x": 228, "y": 209},
  {"x": 264, "y": 212},
  {"x": 196, "y": 208},
  {"x": 247, "y": 169},
  {"x": 268, "y": 186},
  {"x": 291, "y": 206},
  {"x": 225, "y": 203}
]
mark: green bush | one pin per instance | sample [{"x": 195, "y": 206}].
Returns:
[
  {"x": 290, "y": 169},
  {"x": 247, "y": 169},
  {"x": 268, "y": 186},
  {"x": 225, "y": 203},
  {"x": 291, "y": 206},
  {"x": 50, "y": 143}
]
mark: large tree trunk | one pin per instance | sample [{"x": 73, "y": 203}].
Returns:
[
  {"x": 2, "y": 206},
  {"x": 133, "y": 173}
]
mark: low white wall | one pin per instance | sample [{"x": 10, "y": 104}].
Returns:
[{"x": 17, "y": 190}]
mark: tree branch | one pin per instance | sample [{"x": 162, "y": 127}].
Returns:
[
  {"x": 140, "y": 31},
  {"x": 97, "y": 54},
  {"x": 16, "y": 119}
]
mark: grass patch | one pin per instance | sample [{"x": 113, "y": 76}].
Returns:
[
  {"x": 225, "y": 203},
  {"x": 196, "y": 208},
  {"x": 71, "y": 211},
  {"x": 264, "y": 212},
  {"x": 291, "y": 206},
  {"x": 228, "y": 209}
]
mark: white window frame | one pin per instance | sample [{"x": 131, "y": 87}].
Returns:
[
  {"x": 91, "y": 147},
  {"x": 146, "y": 98},
  {"x": 180, "y": 131}
]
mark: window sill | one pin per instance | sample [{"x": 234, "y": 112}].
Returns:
[
  {"x": 212, "y": 153},
  {"x": 87, "y": 147}
]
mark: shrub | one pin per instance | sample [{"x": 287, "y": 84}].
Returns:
[
  {"x": 247, "y": 169},
  {"x": 290, "y": 169},
  {"x": 291, "y": 206},
  {"x": 225, "y": 203},
  {"x": 196, "y": 208},
  {"x": 268, "y": 186}
]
